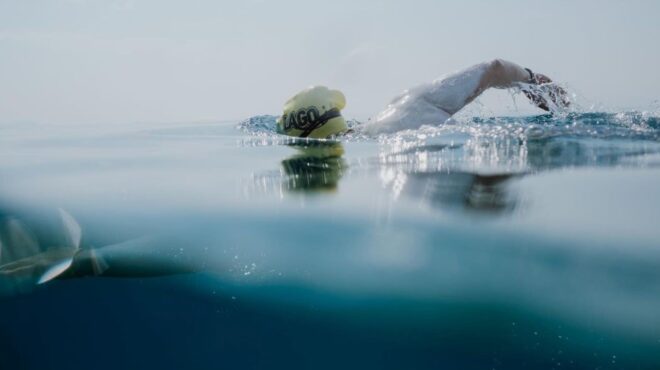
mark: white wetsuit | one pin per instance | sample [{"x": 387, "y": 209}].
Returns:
[{"x": 434, "y": 102}]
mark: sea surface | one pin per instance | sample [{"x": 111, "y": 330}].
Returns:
[{"x": 486, "y": 243}]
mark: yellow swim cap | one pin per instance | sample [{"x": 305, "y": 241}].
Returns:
[{"x": 313, "y": 112}]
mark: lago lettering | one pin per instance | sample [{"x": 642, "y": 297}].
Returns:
[
  {"x": 307, "y": 119},
  {"x": 302, "y": 119}
]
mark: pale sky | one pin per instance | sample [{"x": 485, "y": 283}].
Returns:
[{"x": 122, "y": 61}]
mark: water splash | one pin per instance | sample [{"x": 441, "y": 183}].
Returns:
[{"x": 634, "y": 125}]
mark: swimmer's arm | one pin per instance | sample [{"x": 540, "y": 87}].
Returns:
[
  {"x": 456, "y": 91},
  {"x": 501, "y": 74}
]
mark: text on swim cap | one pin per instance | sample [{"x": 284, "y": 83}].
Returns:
[
  {"x": 308, "y": 119},
  {"x": 301, "y": 119}
]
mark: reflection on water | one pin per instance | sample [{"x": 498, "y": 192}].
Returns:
[
  {"x": 474, "y": 174},
  {"x": 486, "y": 194},
  {"x": 450, "y": 170},
  {"x": 318, "y": 166}
]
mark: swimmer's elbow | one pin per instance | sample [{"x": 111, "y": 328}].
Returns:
[
  {"x": 497, "y": 64},
  {"x": 502, "y": 73}
]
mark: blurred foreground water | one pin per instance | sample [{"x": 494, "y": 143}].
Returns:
[{"x": 522, "y": 242}]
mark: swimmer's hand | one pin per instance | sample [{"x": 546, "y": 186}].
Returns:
[{"x": 542, "y": 89}]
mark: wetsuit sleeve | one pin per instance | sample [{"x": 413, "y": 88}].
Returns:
[
  {"x": 457, "y": 90},
  {"x": 434, "y": 102},
  {"x": 503, "y": 74}
]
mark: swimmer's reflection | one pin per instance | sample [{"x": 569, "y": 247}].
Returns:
[
  {"x": 317, "y": 167},
  {"x": 471, "y": 192},
  {"x": 492, "y": 193},
  {"x": 446, "y": 189}
]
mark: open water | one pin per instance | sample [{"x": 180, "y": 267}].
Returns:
[{"x": 487, "y": 243}]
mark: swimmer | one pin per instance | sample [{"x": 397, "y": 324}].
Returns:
[{"x": 316, "y": 112}]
